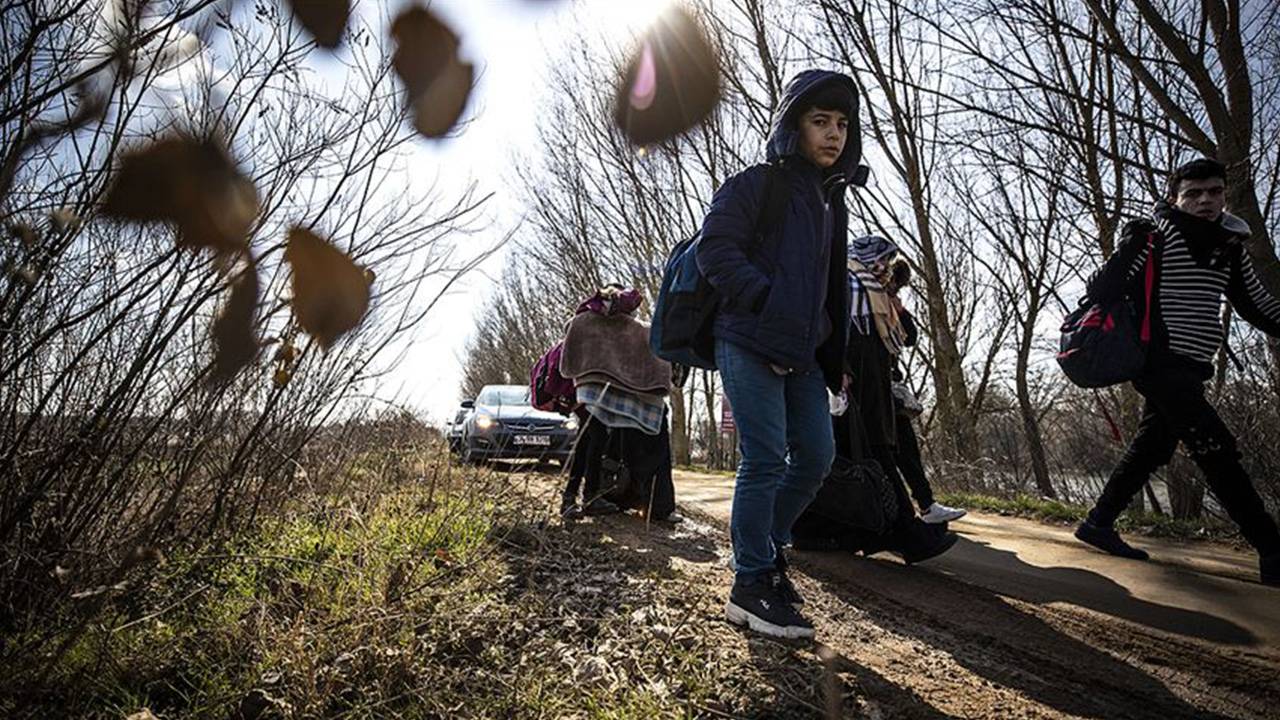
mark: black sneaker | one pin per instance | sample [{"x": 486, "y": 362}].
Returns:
[
  {"x": 926, "y": 541},
  {"x": 1108, "y": 540},
  {"x": 1269, "y": 570},
  {"x": 569, "y": 509},
  {"x": 757, "y": 604},
  {"x": 786, "y": 587},
  {"x": 600, "y": 506}
]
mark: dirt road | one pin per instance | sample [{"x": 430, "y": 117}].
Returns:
[{"x": 1020, "y": 620}]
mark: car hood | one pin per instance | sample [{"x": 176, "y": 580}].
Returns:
[{"x": 518, "y": 412}]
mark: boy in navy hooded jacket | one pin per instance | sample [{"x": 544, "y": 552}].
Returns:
[{"x": 780, "y": 333}]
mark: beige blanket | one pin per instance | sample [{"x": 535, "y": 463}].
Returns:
[{"x": 616, "y": 346}]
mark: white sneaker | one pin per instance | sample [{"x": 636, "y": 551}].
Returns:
[{"x": 938, "y": 513}]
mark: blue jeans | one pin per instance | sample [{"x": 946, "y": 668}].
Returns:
[{"x": 787, "y": 445}]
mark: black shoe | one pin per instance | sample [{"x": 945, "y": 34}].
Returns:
[
  {"x": 757, "y": 604},
  {"x": 786, "y": 587},
  {"x": 1269, "y": 570},
  {"x": 1108, "y": 540},
  {"x": 569, "y": 509},
  {"x": 600, "y": 506},
  {"x": 926, "y": 541}
]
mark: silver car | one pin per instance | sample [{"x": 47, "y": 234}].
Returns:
[{"x": 503, "y": 425}]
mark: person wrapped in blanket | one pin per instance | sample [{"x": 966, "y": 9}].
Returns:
[
  {"x": 868, "y": 429},
  {"x": 622, "y": 456}
]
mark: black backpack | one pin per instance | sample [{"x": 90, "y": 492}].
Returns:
[
  {"x": 1106, "y": 343},
  {"x": 685, "y": 309}
]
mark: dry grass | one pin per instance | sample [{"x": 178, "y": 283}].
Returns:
[{"x": 452, "y": 595}]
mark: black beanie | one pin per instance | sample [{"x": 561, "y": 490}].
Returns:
[{"x": 831, "y": 94}]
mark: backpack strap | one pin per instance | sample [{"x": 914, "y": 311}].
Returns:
[{"x": 775, "y": 199}]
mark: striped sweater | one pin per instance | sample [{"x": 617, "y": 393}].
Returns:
[{"x": 1197, "y": 263}]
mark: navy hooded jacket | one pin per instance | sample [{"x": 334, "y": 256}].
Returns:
[{"x": 775, "y": 300}]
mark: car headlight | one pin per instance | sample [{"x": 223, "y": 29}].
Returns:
[
  {"x": 571, "y": 423},
  {"x": 484, "y": 422}
]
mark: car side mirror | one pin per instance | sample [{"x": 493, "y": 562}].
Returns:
[{"x": 468, "y": 404}]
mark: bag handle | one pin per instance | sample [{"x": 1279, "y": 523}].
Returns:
[{"x": 858, "y": 430}]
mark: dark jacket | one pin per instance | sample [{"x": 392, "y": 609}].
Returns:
[{"x": 775, "y": 300}]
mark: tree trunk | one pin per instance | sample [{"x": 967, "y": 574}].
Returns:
[
  {"x": 679, "y": 428},
  {"x": 1186, "y": 494},
  {"x": 1030, "y": 425}
]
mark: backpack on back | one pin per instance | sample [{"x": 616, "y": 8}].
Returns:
[
  {"x": 685, "y": 309},
  {"x": 548, "y": 389},
  {"x": 1106, "y": 343}
]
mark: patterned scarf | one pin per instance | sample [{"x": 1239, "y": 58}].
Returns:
[{"x": 872, "y": 307}]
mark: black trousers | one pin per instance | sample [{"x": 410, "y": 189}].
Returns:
[
  {"x": 1176, "y": 411},
  {"x": 584, "y": 466},
  {"x": 911, "y": 465}
]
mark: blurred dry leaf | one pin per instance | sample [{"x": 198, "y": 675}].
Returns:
[
  {"x": 233, "y": 340},
  {"x": 286, "y": 352},
  {"x": 671, "y": 84},
  {"x": 60, "y": 573},
  {"x": 64, "y": 219},
  {"x": 190, "y": 182},
  {"x": 437, "y": 84},
  {"x": 24, "y": 234},
  {"x": 330, "y": 294},
  {"x": 281, "y": 377},
  {"x": 143, "y": 714},
  {"x": 26, "y": 274},
  {"x": 324, "y": 19}
]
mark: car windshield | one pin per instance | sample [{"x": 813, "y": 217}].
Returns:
[{"x": 504, "y": 395}]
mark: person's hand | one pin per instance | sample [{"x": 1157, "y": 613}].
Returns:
[{"x": 896, "y": 302}]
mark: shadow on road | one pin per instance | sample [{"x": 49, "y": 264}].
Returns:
[{"x": 1002, "y": 643}]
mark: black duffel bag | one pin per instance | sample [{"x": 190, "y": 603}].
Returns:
[{"x": 857, "y": 494}]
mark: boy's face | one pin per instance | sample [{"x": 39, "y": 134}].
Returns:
[
  {"x": 822, "y": 136},
  {"x": 1204, "y": 198}
]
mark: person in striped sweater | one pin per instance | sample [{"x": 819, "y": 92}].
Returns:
[{"x": 1200, "y": 256}]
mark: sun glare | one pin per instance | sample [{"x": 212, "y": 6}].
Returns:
[{"x": 628, "y": 17}]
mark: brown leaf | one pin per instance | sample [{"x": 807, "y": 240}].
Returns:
[
  {"x": 437, "y": 84},
  {"x": 25, "y": 273},
  {"x": 191, "y": 183},
  {"x": 24, "y": 234},
  {"x": 324, "y": 19},
  {"x": 281, "y": 377},
  {"x": 235, "y": 345},
  {"x": 330, "y": 295},
  {"x": 437, "y": 110},
  {"x": 671, "y": 84},
  {"x": 64, "y": 219}
]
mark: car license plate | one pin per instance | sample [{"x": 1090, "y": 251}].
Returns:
[{"x": 533, "y": 440}]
